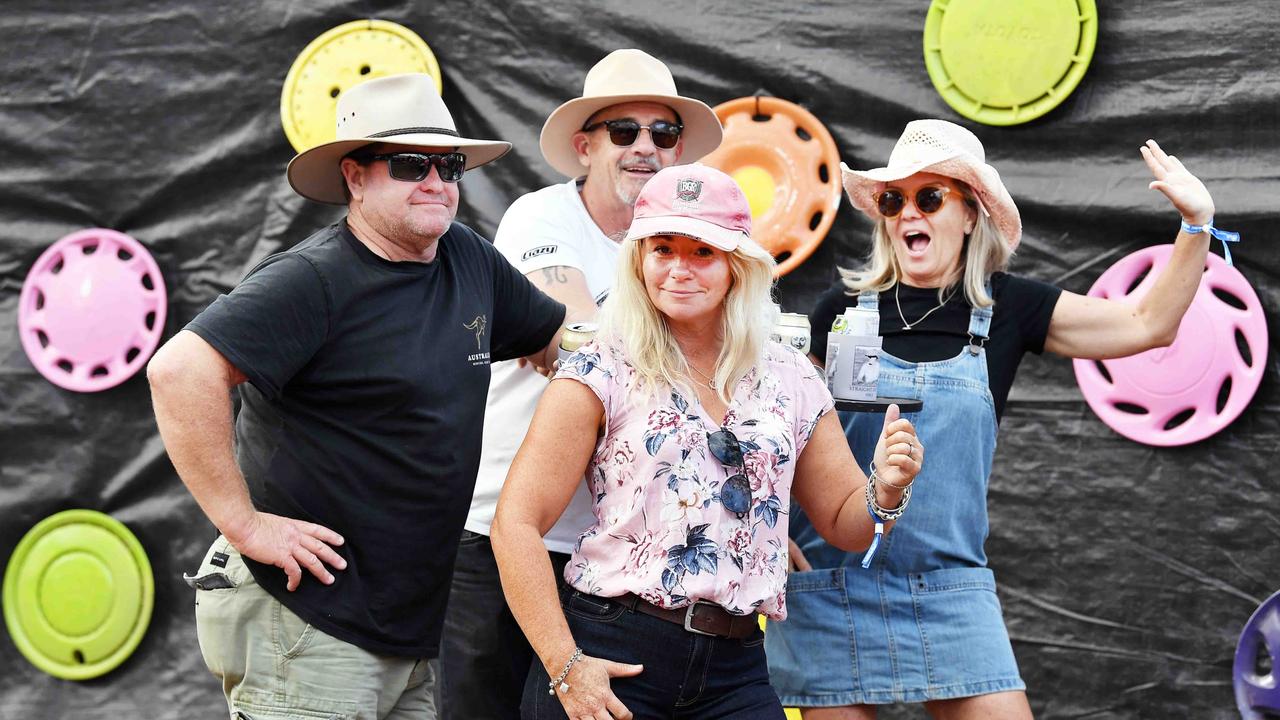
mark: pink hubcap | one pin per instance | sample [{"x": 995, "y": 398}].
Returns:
[
  {"x": 1203, "y": 381},
  {"x": 92, "y": 310}
]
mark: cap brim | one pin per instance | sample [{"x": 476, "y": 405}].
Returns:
[
  {"x": 315, "y": 174},
  {"x": 702, "y": 129},
  {"x": 718, "y": 237}
]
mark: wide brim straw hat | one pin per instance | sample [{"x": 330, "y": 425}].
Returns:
[
  {"x": 398, "y": 109},
  {"x": 627, "y": 76},
  {"x": 942, "y": 148}
]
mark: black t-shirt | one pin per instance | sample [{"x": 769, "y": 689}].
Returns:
[
  {"x": 1019, "y": 324},
  {"x": 363, "y": 412}
]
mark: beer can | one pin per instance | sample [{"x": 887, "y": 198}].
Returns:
[
  {"x": 792, "y": 329},
  {"x": 857, "y": 321},
  {"x": 576, "y": 335}
]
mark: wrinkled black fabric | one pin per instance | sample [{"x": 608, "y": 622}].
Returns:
[{"x": 1126, "y": 571}]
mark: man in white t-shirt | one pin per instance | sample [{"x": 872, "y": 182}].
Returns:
[{"x": 629, "y": 123}]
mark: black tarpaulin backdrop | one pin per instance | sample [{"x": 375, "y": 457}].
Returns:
[{"x": 1126, "y": 571}]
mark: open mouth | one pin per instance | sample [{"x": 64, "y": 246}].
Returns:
[
  {"x": 639, "y": 170},
  {"x": 917, "y": 242}
]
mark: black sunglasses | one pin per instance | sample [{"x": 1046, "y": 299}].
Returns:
[
  {"x": 414, "y": 167},
  {"x": 623, "y": 133},
  {"x": 928, "y": 200},
  {"x": 735, "y": 494}
]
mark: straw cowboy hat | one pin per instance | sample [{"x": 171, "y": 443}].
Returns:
[
  {"x": 942, "y": 148},
  {"x": 398, "y": 109},
  {"x": 627, "y": 76}
]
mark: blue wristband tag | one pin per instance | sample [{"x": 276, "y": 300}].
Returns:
[
  {"x": 875, "y": 541},
  {"x": 1223, "y": 236}
]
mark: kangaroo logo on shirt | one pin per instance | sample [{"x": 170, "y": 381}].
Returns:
[{"x": 477, "y": 326}]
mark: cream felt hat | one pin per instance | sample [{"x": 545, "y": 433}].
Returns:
[
  {"x": 627, "y": 76},
  {"x": 399, "y": 109},
  {"x": 942, "y": 148}
]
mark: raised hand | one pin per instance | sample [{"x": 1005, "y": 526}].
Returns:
[
  {"x": 899, "y": 453},
  {"x": 1183, "y": 189},
  {"x": 290, "y": 545}
]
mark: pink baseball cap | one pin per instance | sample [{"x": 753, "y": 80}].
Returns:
[{"x": 696, "y": 201}]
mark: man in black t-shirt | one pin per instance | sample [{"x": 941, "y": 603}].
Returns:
[{"x": 362, "y": 360}]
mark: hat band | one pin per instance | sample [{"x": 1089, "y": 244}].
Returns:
[{"x": 416, "y": 131}]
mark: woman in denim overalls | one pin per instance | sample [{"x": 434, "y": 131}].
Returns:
[{"x": 922, "y": 623}]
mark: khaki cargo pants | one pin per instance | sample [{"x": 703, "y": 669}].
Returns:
[{"x": 274, "y": 666}]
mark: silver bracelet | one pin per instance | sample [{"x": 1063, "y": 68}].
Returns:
[
  {"x": 889, "y": 484},
  {"x": 559, "y": 681},
  {"x": 885, "y": 514}
]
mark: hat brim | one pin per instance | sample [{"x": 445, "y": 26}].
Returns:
[
  {"x": 316, "y": 173},
  {"x": 702, "y": 129},
  {"x": 862, "y": 185},
  {"x": 718, "y": 237}
]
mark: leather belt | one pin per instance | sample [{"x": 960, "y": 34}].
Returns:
[{"x": 702, "y": 618}]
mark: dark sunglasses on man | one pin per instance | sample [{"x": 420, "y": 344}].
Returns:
[
  {"x": 414, "y": 167},
  {"x": 623, "y": 133}
]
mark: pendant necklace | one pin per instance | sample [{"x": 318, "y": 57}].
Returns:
[
  {"x": 711, "y": 383},
  {"x": 908, "y": 325}
]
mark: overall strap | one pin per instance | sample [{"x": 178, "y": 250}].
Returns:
[
  {"x": 869, "y": 300},
  {"x": 980, "y": 325}
]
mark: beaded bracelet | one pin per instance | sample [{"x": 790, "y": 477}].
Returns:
[
  {"x": 880, "y": 515},
  {"x": 559, "y": 681},
  {"x": 883, "y": 513}
]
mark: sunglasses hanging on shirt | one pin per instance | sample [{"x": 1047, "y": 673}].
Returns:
[{"x": 735, "y": 494}]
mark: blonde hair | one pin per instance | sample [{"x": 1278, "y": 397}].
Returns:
[
  {"x": 629, "y": 318},
  {"x": 985, "y": 251}
]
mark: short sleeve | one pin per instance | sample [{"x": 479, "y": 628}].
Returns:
[
  {"x": 531, "y": 236},
  {"x": 597, "y": 367},
  {"x": 1033, "y": 302},
  {"x": 525, "y": 318},
  {"x": 813, "y": 399},
  {"x": 271, "y": 324}
]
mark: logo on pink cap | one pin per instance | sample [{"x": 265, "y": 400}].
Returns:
[
  {"x": 688, "y": 190},
  {"x": 696, "y": 201}
]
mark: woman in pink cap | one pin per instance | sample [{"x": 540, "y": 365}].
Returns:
[
  {"x": 922, "y": 623},
  {"x": 694, "y": 431}
]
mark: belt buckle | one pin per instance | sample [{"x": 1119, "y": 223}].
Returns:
[{"x": 688, "y": 619}]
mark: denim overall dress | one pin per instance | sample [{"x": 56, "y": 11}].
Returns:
[{"x": 923, "y": 621}]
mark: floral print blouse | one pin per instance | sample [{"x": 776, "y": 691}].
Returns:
[{"x": 662, "y": 529}]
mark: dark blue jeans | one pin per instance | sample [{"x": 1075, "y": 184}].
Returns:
[
  {"x": 686, "y": 675},
  {"x": 484, "y": 657}
]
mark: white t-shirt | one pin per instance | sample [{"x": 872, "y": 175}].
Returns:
[{"x": 543, "y": 229}]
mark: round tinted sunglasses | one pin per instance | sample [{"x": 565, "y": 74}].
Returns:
[
  {"x": 735, "y": 494},
  {"x": 414, "y": 167},
  {"x": 928, "y": 200},
  {"x": 623, "y": 133}
]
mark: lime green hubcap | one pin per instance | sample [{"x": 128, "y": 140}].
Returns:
[
  {"x": 1004, "y": 62},
  {"x": 78, "y": 594}
]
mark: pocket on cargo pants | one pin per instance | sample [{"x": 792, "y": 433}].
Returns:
[{"x": 220, "y": 609}]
